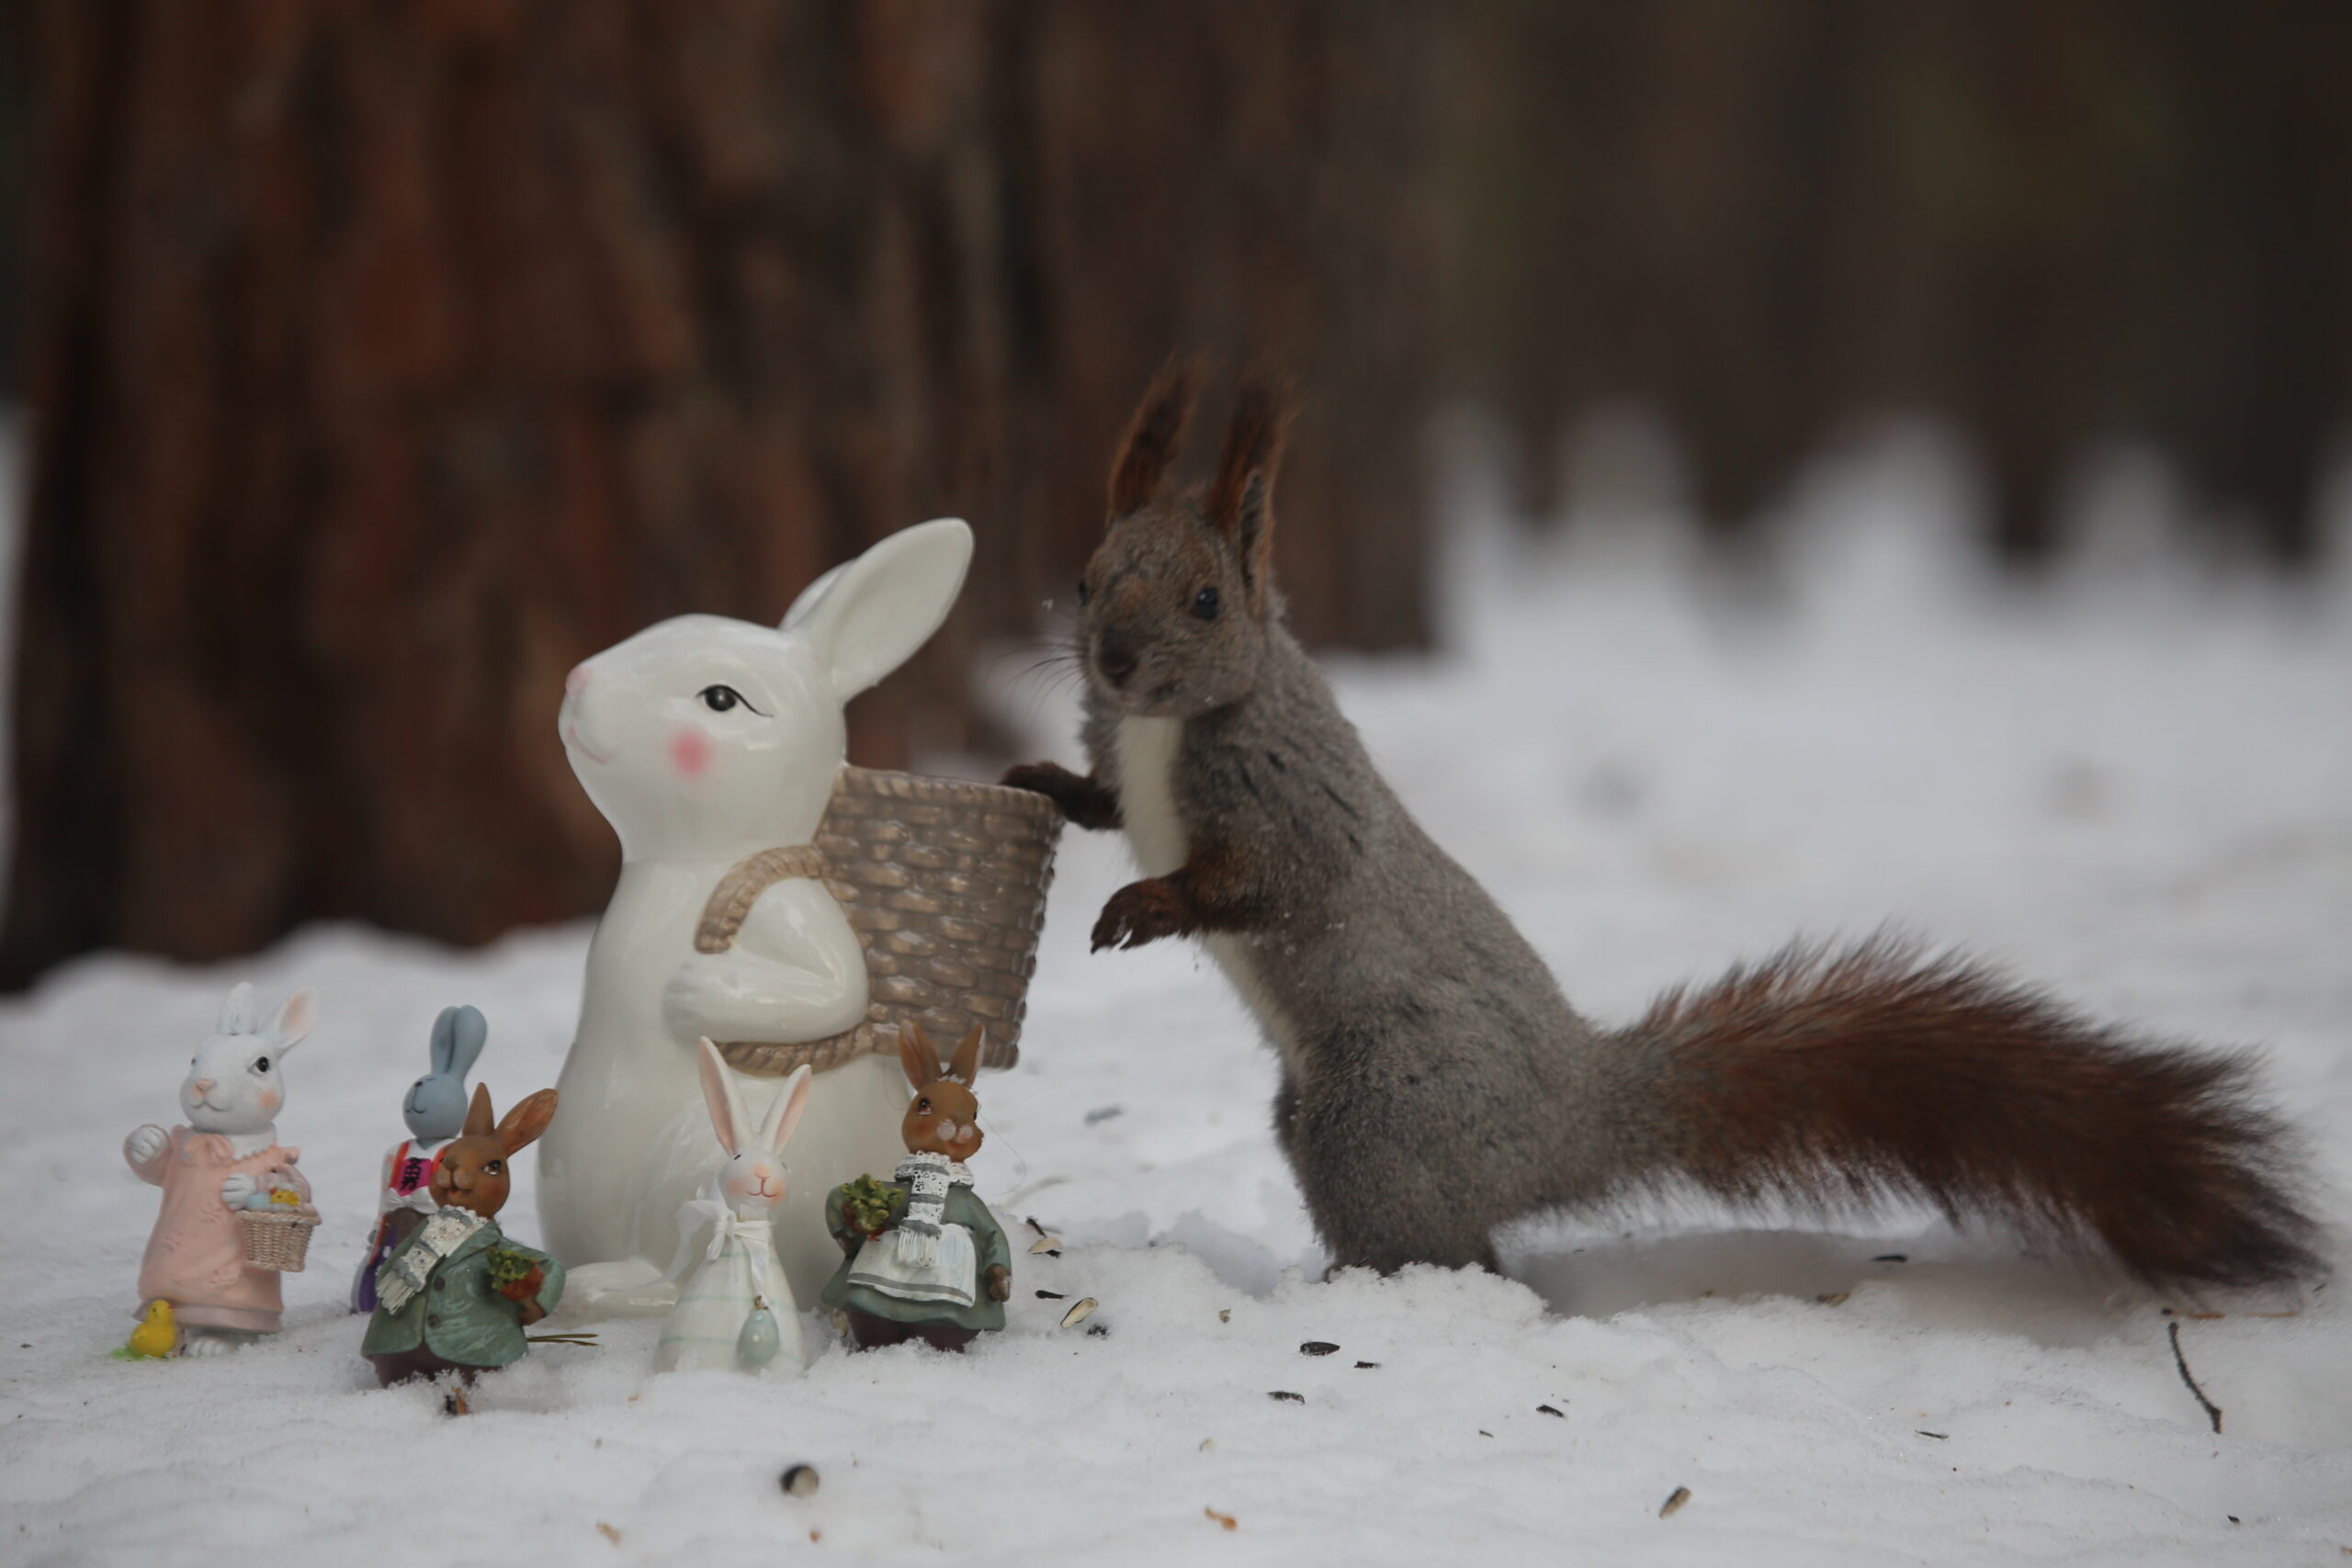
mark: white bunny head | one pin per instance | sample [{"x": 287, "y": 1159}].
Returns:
[
  {"x": 703, "y": 737},
  {"x": 235, "y": 1083},
  {"x": 751, "y": 1181}
]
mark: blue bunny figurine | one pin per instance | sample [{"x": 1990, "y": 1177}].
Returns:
[{"x": 435, "y": 1109}]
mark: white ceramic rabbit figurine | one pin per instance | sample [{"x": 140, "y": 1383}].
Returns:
[
  {"x": 705, "y": 740},
  {"x": 735, "y": 1273},
  {"x": 207, "y": 1168}
]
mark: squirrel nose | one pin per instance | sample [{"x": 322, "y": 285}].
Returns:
[{"x": 1115, "y": 658}]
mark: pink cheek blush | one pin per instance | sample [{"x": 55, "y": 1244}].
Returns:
[
  {"x": 690, "y": 751},
  {"x": 271, "y": 1099}
]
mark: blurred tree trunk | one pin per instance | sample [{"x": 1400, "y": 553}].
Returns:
[
  {"x": 2061, "y": 227},
  {"x": 389, "y": 358}
]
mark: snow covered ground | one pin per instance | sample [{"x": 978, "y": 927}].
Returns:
[{"x": 2136, "y": 789}]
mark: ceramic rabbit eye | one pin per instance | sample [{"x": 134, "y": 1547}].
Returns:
[
  {"x": 495, "y": 1167},
  {"x": 923, "y": 1106},
  {"x": 721, "y": 699},
  {"x": 261, "y": 1065}
]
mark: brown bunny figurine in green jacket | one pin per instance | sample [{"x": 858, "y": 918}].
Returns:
[
  {"x": 926, "y": 1258},
  {"x": 455, "y": 1295}
]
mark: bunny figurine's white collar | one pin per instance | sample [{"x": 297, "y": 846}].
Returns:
[{"x": 758, "y": 1237}]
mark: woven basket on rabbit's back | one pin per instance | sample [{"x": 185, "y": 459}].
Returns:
[{"x": 943, "y": 881}]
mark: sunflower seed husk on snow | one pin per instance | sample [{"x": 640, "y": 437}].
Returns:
[
  {"x": 799, "y": 1481},
  {"x": 1681, "y": 1494},
  {"x": 1318, "y": 1347},
  {"x": 1047, "y": 1244},
  {"x": 1079, "y": 1311}
]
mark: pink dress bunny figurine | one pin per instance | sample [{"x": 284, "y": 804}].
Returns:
[{"x": 209, "y": 1167}]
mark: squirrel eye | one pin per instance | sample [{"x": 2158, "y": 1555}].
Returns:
[
  {"x": 1204, "y": 602},
  {"x": 1081, "y": 591}
]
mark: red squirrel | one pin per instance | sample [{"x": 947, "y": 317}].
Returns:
[{"x": 1436, "y": 1083}]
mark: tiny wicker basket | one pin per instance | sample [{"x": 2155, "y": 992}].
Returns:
[
  {"x": 278, "y": 1239},
  {"x": 945, "y": 882}
]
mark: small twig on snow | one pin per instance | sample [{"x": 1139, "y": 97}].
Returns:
[{"x": 2212, "y": 1411}]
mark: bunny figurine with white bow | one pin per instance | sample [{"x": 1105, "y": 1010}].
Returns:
[
  {"x": 713, "y": 747},
  {"x": 736, "y": 1308},
  {"x": 210, "y": 1168}
]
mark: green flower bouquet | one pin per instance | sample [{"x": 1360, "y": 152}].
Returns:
[
  {"x": 869, "y": 1205},
  {"x": 514, "y": 1275}
]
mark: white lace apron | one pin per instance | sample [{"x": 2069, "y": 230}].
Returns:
[{"x": 922, "y": 1258}]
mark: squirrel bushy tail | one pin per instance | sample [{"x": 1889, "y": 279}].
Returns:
[{"x": 1831, "y": 1077}]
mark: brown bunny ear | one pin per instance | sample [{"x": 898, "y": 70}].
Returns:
[
  {"x": 527, "y": 1120},
  {"x": 966, "y": 1068},
  {"x": 1155, "y": 437},
  {"x": 479, "y": 1123},
  {"x": 917, "y": 1056}
]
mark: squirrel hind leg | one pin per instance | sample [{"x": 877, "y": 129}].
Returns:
[
  {"x": 1368, "y": 1220},
  {"x": 1386, "y": 1242}
]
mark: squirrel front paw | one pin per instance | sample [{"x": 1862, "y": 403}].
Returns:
[
  {"x": 1142, "y": 912},
  {"x": 1082, "y": 801}
]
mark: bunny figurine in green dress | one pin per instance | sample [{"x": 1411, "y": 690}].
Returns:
[{"x": 926, "y": 1260}]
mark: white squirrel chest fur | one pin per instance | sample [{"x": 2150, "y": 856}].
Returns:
[{"x": 1155, "y": 829}]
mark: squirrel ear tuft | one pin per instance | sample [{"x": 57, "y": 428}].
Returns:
[
  {"x": 1242, "y": 500},
  {"x": 1155, "y": 436}
]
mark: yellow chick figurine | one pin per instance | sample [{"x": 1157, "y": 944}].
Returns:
[{"x": 156, "y": 1334}]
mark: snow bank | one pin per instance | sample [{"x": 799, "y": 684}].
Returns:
[{"x": 2141, "y": 795}]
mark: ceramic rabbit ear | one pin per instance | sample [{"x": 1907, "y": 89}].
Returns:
[
  {"x": 459, "y": 1035},
  {"x": 481, "y": 1122},
  {"x": 525, "y": 1120},
  {"x": 865, "y": 617},
  {"x": 295, "y": 1020},
  {"x": 918, "y": 1058},
  {"x": 789, "y": 1105},
  {"x": 810, "y": 594},
  {"x": 727, "y": 1118},
  {"x": 966, "y": 1068},
  {"x": 237, "y": 1012}
]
